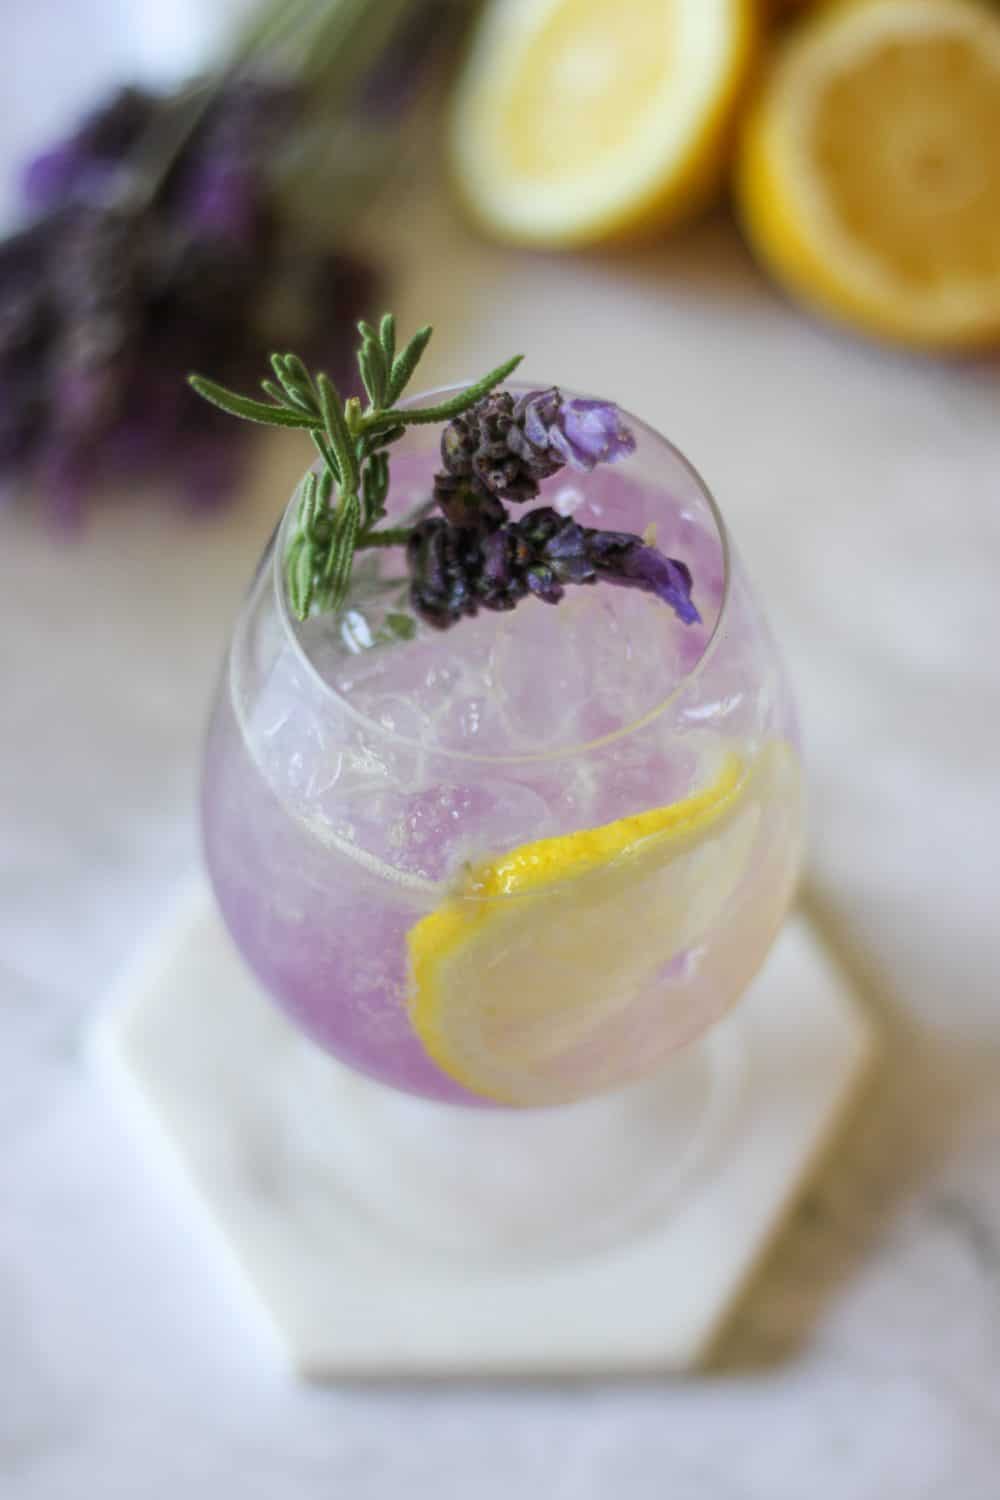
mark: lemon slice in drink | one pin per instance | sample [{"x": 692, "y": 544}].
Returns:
[
  {"x": 870, "y": 170},
  {"x": 524, "y": 983},
  {"x": 578, "y": 121}
]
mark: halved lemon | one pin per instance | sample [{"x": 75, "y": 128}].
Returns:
[
  {"x": 579, "y": 121},
  {"x": 869, "y": 174},
  {"x": 525, "y": 982}
]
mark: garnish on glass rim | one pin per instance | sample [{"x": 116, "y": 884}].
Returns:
[{"x": 496, "y": 449}]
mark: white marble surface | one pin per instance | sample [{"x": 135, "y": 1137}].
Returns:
[
  {"x": 865, "y": 491},
  {"x": 382, "y": 1236}
]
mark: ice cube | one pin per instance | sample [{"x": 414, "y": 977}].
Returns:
[{"x": 541, "y": 673}]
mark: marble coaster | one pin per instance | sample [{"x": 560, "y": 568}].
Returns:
[{"x": 338, "y": 1203}]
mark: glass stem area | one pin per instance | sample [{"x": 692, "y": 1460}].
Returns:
[{"x": 494, "y": 1186}]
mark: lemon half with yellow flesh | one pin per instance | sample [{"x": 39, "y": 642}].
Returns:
[
  {"x": 579, "y": 121},
  {"x": 524, "y": 983},
  {"x": 869, "y": 175}
]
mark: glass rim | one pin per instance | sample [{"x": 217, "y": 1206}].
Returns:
[{"x": 528, "y": 757}]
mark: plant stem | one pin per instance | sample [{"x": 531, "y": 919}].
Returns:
[{"x": 388, "y": 536}]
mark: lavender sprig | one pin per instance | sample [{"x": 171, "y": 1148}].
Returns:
[
  {"x": 503, "y": 449},
  {"x": 495, "y": 449},
  {"x": 341, "y": 509},
  {"x": 457, "y": 570}
]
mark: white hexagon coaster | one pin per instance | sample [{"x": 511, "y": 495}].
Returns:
[{"x": 388, "y": 1236}]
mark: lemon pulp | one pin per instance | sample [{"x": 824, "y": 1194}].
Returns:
[
  {"x": 578, "y": 121},
  {"x": 870, "y": 175}
]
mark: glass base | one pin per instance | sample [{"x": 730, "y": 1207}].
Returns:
[
  {"x": 493, "y": 1186},
  {"x": 387, "y": 1236}
]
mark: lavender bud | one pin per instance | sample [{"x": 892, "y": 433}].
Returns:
[
  {"x": 463, "y": 505},
  {"x": 589, "y": 433},
  {"x": 543, "y": 584},
  {"x": 626, "y": 560},
  {"x": 578, "y": 432}
]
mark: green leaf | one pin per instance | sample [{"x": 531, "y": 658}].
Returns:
[
  {"x": 326, "y": 453},
  {"x": 375, "y": 442},
  {"x": 391, "y": 435},
  {"x": 332, "y": 409},
  {"x": 369, "y": 507},
  {"x": 308, "y": 504},
  {"x": 297, "y": 390},
  {"x": 379, "y": 463},
  {"x": 405, "y": 363},
  {"x": 377, "y": 357},
  {"x": 387, "y": 338},
  {"x": 275, "y": 392},
  {"x": 296, "y": 371},
  {"x": 373, "y": 375},
  {"x": 367, "y": 375},
  {"x": 447, "y": 409},
  {"x": 300, "y": 572},
  {"x": 341, "y": 558},
  {"x": 375, "y": 488},
  {"x": 245, "y": 407},
  {"x": 315, "y": 519}
]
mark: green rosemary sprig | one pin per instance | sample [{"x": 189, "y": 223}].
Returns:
[{"x": 341, "y": 507}]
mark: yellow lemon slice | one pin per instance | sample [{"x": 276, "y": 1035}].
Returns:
[
  {"x": 578, "y": 121},
  {"x": 524, "y": 983},
  {"x": 869, "y": 174}
]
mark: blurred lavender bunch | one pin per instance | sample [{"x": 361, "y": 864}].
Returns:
[{"x": 163, "y": 234}]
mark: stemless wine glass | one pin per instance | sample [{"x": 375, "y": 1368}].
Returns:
[{"x": 517, "y": 864}]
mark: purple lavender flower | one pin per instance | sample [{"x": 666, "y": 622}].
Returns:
[
  {"x": 220, "y": 201},
  {"x": 476, "y": 557},
  {"x": 624, "y": 559},
  {"x": 52, "y": 174},
  {"x": 476, "y": 447},
  {"x": 465, "y": 505},
  {"x": 221, "y": 191},
  {"x": 504, "y": 449},
  {"x": 456, "y": 570},
  {"x": 444, "y": 562},
  {"x": 577, "y": 432},
  {"x": 495, "y": 564},
  {"x": 22, "y": 412},
  {"x": 24, "y": 311},
  {"x": 535, "y": 415},
  {"x": 83, "y": 164}
]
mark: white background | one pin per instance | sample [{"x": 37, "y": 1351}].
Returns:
[{"x": 864, "y": 490}]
